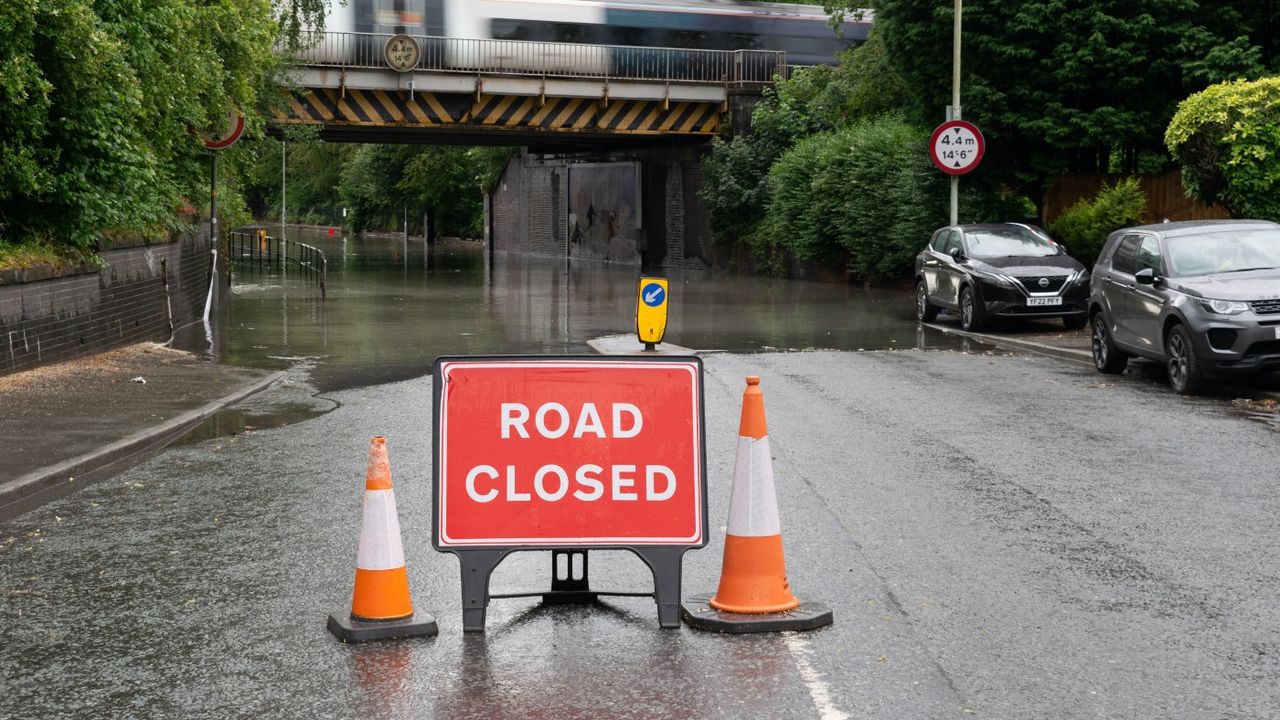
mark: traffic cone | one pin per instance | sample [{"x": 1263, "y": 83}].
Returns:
[
  {"x": 754, "y": 594},
  {"x": 380, "y": 605}
]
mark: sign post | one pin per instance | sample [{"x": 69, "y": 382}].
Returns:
[
  {"x": 225, "y": 138},
  {"x": 651, "y": 310},
  {"x": 568, "y": 454}
]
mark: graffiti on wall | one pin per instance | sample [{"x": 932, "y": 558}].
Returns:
[{"x": 604, "y": 211}]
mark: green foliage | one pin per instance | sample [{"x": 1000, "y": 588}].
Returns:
[
  {"x": 1227, "y": 139},
  {"x": 1070, "y": 85},
  {"x": 866, "y": 192},
  {"x": 868, "y": 196},
  {"x": 96, "y": 102},
  {"x": 379, "y": 184},
  {"x": 1084, "y": 227},
  {"x": 814, "y": 100}
]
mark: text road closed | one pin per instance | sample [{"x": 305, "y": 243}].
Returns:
[{"x": 570, "y": 453}]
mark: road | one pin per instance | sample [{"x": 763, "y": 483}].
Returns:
[{"x": 999, "y": 536}]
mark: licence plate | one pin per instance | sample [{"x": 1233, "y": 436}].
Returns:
[
  {"x": 1036, "y": 301},
  {"x": 1278, "y": 333}
]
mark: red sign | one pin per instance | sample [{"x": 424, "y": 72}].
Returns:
[
  {"x": 569, "y": 452},
  {"x": 228, "y": 135},
  {"x": 956, "y": 147}
]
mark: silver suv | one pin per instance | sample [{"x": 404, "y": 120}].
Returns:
[{"x": 1202, "y": 297}]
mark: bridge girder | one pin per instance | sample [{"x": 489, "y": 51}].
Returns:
[{"x": 480, "y": 118}]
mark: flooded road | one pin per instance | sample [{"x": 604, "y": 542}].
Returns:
[{"x": 391, "y": 309}]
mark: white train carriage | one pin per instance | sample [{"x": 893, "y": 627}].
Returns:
[{"x": 589, "y": 37}]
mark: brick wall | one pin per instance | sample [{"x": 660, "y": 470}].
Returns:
[
  {"x": 529, "y": 209},
  {"x": 61, "y": 318}
]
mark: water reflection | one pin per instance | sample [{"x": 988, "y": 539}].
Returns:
[{"x": 393, "y": 306}]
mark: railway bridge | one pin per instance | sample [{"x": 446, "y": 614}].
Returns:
[
  {"x": 612, "y": 136},
  {"x": 369, "y": 87}
]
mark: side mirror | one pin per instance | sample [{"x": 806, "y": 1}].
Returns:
[
  {"x": 956, "y": 254},
  {"x": 1147, "y": 276}
]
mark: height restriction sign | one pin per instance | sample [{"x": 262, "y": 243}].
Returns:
[{"x": 956, "y": 147}]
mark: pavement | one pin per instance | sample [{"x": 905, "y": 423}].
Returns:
[{"x": 67, "y": 425}]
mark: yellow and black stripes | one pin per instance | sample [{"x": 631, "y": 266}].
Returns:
[
  {"x": 366, "y": 107},
  {"x": 510, "y": 112}
]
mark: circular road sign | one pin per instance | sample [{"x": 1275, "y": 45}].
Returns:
[
  {"x": 956, "y": 147},
  {"x": 227, "y": 136},
  {"x": 653, "y": 294},
  {"x": 402, "y": 53}
]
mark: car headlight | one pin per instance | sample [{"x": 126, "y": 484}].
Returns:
[
  {"x": 1082, "y": 278},
  {"x": 1225, "y": 307},
  {"x": 993, "y": 279}
]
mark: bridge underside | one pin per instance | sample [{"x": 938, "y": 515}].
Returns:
[{"x": 541, "y": 122}]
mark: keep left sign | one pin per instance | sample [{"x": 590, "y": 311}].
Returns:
[{"x": 560, "y": 452}]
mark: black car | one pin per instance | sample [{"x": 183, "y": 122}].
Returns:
[
  {"x": 1201, "y": 297},
  {"x": 1006, "y": 270}
]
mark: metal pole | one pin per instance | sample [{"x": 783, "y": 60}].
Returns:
[
  {"x": 213, "y": 197},
  {"x": 284, "y": 144},
  {"x": 955, "y": 105},
  {"x": 213, "y": 230}
]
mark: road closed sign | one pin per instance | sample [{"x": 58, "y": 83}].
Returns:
[
  {"x": 564, "y": 452},
  {"x": 956, "y": 147}
]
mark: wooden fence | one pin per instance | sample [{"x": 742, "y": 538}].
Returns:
[{"x": 1166, "y": 198}]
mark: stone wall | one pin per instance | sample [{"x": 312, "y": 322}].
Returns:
[{"x": 47, "y": 317}]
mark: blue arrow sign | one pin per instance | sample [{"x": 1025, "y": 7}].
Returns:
[{"x": 653, "y": 295}]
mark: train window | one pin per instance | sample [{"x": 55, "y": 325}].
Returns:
[
  {"x": 507, "y": 29},
  {"x": 689, "y": 39}
]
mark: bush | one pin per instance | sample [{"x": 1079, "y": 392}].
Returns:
[
  {"x": 866, "y": 192},
  {"x": 1084, "y": 227},
  {"x": 1227, "y": 139}
]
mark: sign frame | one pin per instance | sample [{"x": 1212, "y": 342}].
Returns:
[
  {"x": 478, "y": 560},
  {"x": 953, "y": 125}
]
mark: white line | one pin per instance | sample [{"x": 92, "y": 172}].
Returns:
[{"x": 818, "y": 689}]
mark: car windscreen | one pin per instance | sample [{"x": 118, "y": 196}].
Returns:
[
  {"x": 1223, "y": 252},
  {"x": 1010, "y": 241}
]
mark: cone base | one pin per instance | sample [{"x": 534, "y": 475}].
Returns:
[
  {"x": 698, "y": 614},
  {"x": 359, "y": 631}
]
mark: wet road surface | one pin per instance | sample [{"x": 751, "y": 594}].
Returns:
[{"x": 998, "y": 536}]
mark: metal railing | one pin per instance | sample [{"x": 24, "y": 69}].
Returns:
[
  {"x": 549, "y": 59},
  {"x": 262, "y": 253}
]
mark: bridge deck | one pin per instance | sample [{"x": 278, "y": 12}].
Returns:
[{"x": 517, "y": 91}]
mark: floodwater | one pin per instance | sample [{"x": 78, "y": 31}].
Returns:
[{"x": 391, "y": 308}]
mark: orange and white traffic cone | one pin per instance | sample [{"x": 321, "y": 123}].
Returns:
[
  {"x": 754, "y": 594},
  {"x": 380, "y": 605}
]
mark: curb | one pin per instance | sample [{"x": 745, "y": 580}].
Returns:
[
  {"x": 42, "y": 486},
  {"x": 1011, "y": 343}
]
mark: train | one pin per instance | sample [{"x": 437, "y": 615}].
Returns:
[{"x": 802, "y": 31}]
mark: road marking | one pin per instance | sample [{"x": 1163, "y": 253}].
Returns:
[{"x": 818, "y": 689}]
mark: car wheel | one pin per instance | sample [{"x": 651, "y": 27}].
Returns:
[
  {"x": 1073, "y": 322},
  {"x": 1106, "y": 356},
  {"x": 971, "y": 312},
  {"x": 925, "y": 311},
  {"x": 1185, "y": 376}
]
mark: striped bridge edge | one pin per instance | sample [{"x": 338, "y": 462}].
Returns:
[{"x": 512, "y": 112}]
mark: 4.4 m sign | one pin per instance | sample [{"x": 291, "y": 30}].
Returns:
[
  {"x": 569, "y": 452},
  {"x": 956, "y": 147}
]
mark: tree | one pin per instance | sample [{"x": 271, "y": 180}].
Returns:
[
  {"x": 1227, "y": 139},
  {"x": 1064, "y": 85},
  {"x": 813, "y": 100},
  {"x": 99, "y": 98}
]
